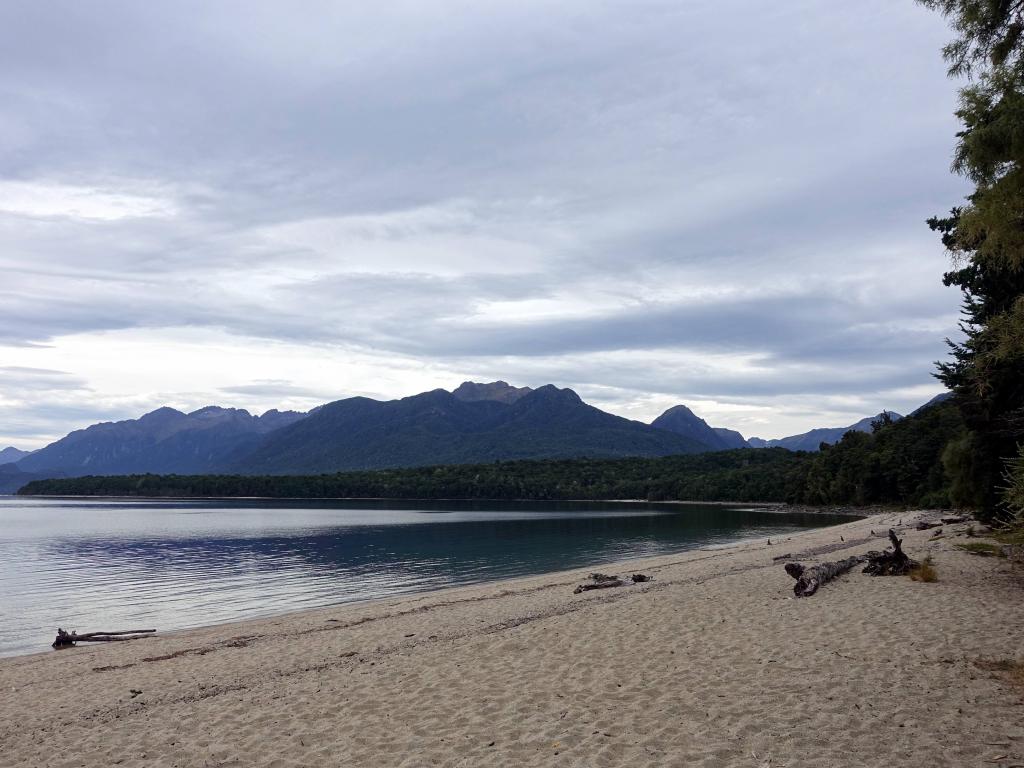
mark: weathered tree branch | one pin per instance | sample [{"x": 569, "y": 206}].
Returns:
[
  {"x": 66, "y": 639},
  {"x": 892, "y": 562}
]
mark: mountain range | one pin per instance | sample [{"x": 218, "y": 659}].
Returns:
[
  {"x": 165, "y": 441},
  {"x": 474, "y": 423},
  {"x": 811, "y": 441}
]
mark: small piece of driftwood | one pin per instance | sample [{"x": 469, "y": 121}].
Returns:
[
  {"x": 639, "y": 578},
  {"x": 66, "y": 639},
  {"x": 782, "y": 557},
  {"x": 924, "y": 526},
  {"x": 891, "y": 562},
  {"x": 597, "y": 585},
  {"x": 809, "y": 578},
  {"x": 599, "y": 581}
]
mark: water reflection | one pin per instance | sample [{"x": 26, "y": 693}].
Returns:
[{"x": 83, "y": 564}]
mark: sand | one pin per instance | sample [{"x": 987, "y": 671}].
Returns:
[{"x": 713, "y": 663}]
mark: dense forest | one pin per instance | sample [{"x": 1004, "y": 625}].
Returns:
[
  {"x": 985, "y": 239},
  {"x": 739, "y": 475},
  {"x": 900, "y": 463}
]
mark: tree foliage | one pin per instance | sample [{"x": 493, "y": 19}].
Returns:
[
  {"x": 986, "y": 239},
  {"x": 988, "y": 33}
]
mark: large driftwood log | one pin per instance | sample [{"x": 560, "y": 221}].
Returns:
[
  {"x": 891, "y": 562},
  {"x": 597, "y": 585},
  {"x": 66, "y": 639},
  {"x": 599, "y": 581},
  {"x": 808, "y": 579}
]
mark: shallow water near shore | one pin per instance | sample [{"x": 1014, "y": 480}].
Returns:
[{"x": 102, "y": 564}]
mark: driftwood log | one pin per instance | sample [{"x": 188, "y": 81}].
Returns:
[
  {"x": 604, "y": 581},
  {"x": 891, "y": 562},
  {"x": 606, "y": 584},
  {"x": 66, "y": 639},
  {"x": 809, "y": 578}
]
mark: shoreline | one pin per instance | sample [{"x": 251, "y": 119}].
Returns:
[
  {"x": 774, "y": 506},
  {"x": 856, "y": 514},
  {"x": 708, "y": 663}
]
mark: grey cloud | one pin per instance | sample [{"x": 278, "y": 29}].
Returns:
[
  {"x": 15, "y": 379},
  {"x": 278, "y": 388},
  {"x": 772, "y": 154}
]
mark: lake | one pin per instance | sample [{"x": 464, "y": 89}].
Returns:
[{"x": 101, "y": 564}]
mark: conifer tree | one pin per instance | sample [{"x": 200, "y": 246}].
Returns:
[{"x": 986, "y": 239}]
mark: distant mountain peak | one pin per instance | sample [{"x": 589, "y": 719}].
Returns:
[
  {"x": 555, "y": 394},
  {"x": 500, "y": 391},
  {"x": 681, "y": 420},
  {"x": 680, "y": 411},
  {"x": 11, "y": 454},
  {"x": 216, "y": 410},
  {"x": 164, "y": 412}
]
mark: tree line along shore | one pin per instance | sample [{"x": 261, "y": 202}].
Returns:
[{"x": 907, "y": 463}]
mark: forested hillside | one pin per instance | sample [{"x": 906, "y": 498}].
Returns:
[
  {"x": 740, "y": 475},
  {"x": 901, "y": 463}
]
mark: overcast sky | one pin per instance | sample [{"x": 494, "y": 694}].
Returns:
[{"x": 714, "y": 202}]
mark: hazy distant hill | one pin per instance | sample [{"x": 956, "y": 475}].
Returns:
[
  {"x": 682, "y": 421},
  {"x": 731, "y": 438},
  {"x": 164, "y": 440},
  {"x": 475, "y": 423},
  {"x": 811, "y": 441},
  {"x": 11, "y": 454},
  {"x": 12, "y": 478}
]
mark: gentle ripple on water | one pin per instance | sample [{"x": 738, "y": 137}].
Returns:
[{"x": 105, "y": 564}]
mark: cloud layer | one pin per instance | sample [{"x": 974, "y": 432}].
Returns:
[{"x": 719, "y": 203}]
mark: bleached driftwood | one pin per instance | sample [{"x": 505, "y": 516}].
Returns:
[
  {"x": 809, "y": 578},
  {"x": 599, "y": 581},
  {"x": 66, "y": 639}
]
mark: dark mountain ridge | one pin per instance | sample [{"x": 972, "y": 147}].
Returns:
[
  {"x": 474, "y": 423},
  {"x": 164, "y": 440},
  {"x": 441, "y": 427},
  {"x": 682, "y": 421}
]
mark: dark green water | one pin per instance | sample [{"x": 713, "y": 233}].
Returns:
[{"x": 101, "y": 564}]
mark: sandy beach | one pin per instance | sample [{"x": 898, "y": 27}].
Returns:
[{"x": 713, "y": 663}]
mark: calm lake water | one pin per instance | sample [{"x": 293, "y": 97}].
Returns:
[{"x": 110, "y": 565}]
